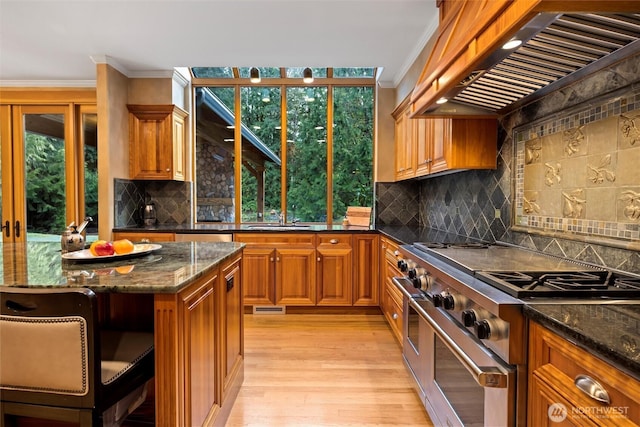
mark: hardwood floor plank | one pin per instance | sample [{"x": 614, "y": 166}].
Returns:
[{"x": 324, "y": 370}]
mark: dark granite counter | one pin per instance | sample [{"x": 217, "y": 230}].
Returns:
[
  {"x": 217, "y": 228},
  {"x": 610, "y": 331},
  {"x": 166, "y": 270}
]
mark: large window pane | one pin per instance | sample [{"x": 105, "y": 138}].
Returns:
[
  {"x": 215, "y": 158},
  {"x": 90, "y": 141},
  {"x": 352, "y": 148},
  {"x": 307, "y": 154},
  {"x": 45, "y": 174},
  {"x": 261, "y": 147}
]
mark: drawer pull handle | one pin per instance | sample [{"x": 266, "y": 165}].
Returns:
[
  {"x": 395, "y": 316},
  {"x": 333, "y": 241},
  {"x": 592, "y": 388}
]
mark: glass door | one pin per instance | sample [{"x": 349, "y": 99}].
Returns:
[{"x": 39, "y": 174}]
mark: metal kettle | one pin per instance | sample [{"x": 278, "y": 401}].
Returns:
[
  {"x": 149, "y": 214},
  {"x": 72, "y": 238}
]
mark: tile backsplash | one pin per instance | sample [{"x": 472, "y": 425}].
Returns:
[
  {"x": 482, "y": 203},
  {"x": 171, "y": 198}
]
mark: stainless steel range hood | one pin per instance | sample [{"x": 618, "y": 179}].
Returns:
[{"x": 479, "y": 78}]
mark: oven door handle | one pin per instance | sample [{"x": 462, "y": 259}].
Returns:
[{"x": 485, "y": 376}]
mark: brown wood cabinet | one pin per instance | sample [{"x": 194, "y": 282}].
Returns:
[
  {"x": 137, "y": 237},
  {"x": 366, "y": 282},
  {"x": 391, "y": 298},
  {"x": 309, "y": 269},
  {"x": 232, "y": 326},
  {"x": 554, "y": 365},
  {"x": 334, "y": 275},
  {"x": 157, "y": 142},
  {"x": 202, "y": 340},
  {"x": 427, "y": 146},
  {"x": 278, "y": 268}
]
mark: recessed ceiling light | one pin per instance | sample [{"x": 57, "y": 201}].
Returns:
[{"x": 512, "y": 44}]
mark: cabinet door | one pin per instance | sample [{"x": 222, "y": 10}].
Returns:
[
  {"x": 200, "y": 310},
  {"x": 424, "y": 145},
  {"x": 334, "y": 271},
  {"x": 405, "y": 143},
  {"x": 178, "y": 135},
  {"x": 441, "y": 136},
  {"x": 295, "y": 276},
  {"x": 258, "y": 275},
  {"x": 155, "y": 150},
  {"x": 232, "y": 336},
  {"x": 366, "y": 290}
]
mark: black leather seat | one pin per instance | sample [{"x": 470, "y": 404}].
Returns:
[{"x": 56, "y": 363}]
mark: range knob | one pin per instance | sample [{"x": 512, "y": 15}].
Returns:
[
  {"x": 415, "y": 272},
  {"x": 437, "y": 300},
  {"x": 422, "y": 282},
  {"x": 491, "y": 329},
  {"x": 469, "y": 318},
  {"x": 402, "y": 265},
  {"x": 448, "y": 302},
  {"x": 482, "y": 329}
]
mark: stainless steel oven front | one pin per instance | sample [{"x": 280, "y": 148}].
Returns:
[{"x": 460, "y": 381}]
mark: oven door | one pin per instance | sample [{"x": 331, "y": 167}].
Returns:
[
  {"x": 465, "y": 383},
  {"x": 414, "y": 345}
]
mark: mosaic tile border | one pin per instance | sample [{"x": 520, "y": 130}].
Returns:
[{"x": 611, "y": 106}]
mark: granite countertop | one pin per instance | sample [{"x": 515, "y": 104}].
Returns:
[
  {"x": 166, "y": 270},
  {"x": 203, "y": 228},
  {"x": 610, "y": 331}
]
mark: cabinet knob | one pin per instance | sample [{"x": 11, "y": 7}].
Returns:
[
  {"x": 394, "y": 316},
  {"x": 277, "y": 259},
  {"x": 168, "y": 170},
  {"x": 271, "y": 259},
  {"x": 333, "y": 241},
  {"x": 319, "y": 259}
]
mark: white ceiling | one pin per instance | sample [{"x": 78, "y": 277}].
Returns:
[{"x": 52, "y": 40}]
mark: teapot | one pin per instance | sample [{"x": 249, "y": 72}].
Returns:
[
  {"x": 72, "y": 238},
  {"x": 149, "y": 214}
]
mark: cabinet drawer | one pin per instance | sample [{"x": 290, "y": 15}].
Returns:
[
  {"x": 557, "y": 362},
  {"x": 393, "y": 314},
  {"x": 334, "y": 240},
  {"x": 276, "y": 239}
]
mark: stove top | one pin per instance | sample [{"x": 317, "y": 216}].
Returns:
[
  {"x": 528, "y": 274},
  {"x": 583, "y": 284}
]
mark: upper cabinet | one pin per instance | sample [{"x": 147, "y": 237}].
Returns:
[
  {"x": 157, "y": 142},
  {"x": 427, "y": 146}
]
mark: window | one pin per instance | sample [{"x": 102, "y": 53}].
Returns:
[{"x": 305, "y": 150}]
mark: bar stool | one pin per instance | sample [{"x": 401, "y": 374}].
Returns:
[{"x": 56, "y": 363}]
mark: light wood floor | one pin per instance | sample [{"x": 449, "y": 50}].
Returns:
[{"x": 324, "y": 370}]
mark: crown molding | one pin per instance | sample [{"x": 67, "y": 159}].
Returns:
[{"x": 48, "y": 83}]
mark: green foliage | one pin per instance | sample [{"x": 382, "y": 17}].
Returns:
[
  {"x": 307, "y": 150},
  {"x": 45, "y": 186}
]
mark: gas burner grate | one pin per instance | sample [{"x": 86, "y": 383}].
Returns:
[
  {"x": 452, "y": 245},
  {"x": 582, "y": 284},
  {"x": 627, "y": 283}
]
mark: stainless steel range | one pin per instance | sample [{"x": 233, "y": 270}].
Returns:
[{"x": 465, "y": 338}]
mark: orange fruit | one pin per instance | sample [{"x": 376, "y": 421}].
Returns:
[
  {"x": 125, "y": 269},
  {"x": 93, "y": 246},
  {"x": 123, "y": 246}
]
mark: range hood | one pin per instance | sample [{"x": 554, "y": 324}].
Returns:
[{"x": 562, "y": 41}]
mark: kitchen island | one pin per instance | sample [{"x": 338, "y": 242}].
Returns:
[{"x": 189, "y": 294}]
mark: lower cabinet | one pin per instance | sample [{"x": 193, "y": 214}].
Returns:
[
  {"x": 203, "y": 344},
  {"x": 310, "y": 269},
  {"x": 391, "y": 298},
  {"x": 555, "y": 395},
  {"x": 366, "y": 278},
  {"x": 278, "y": 268},
  {"x": 334, "y": 271}
]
